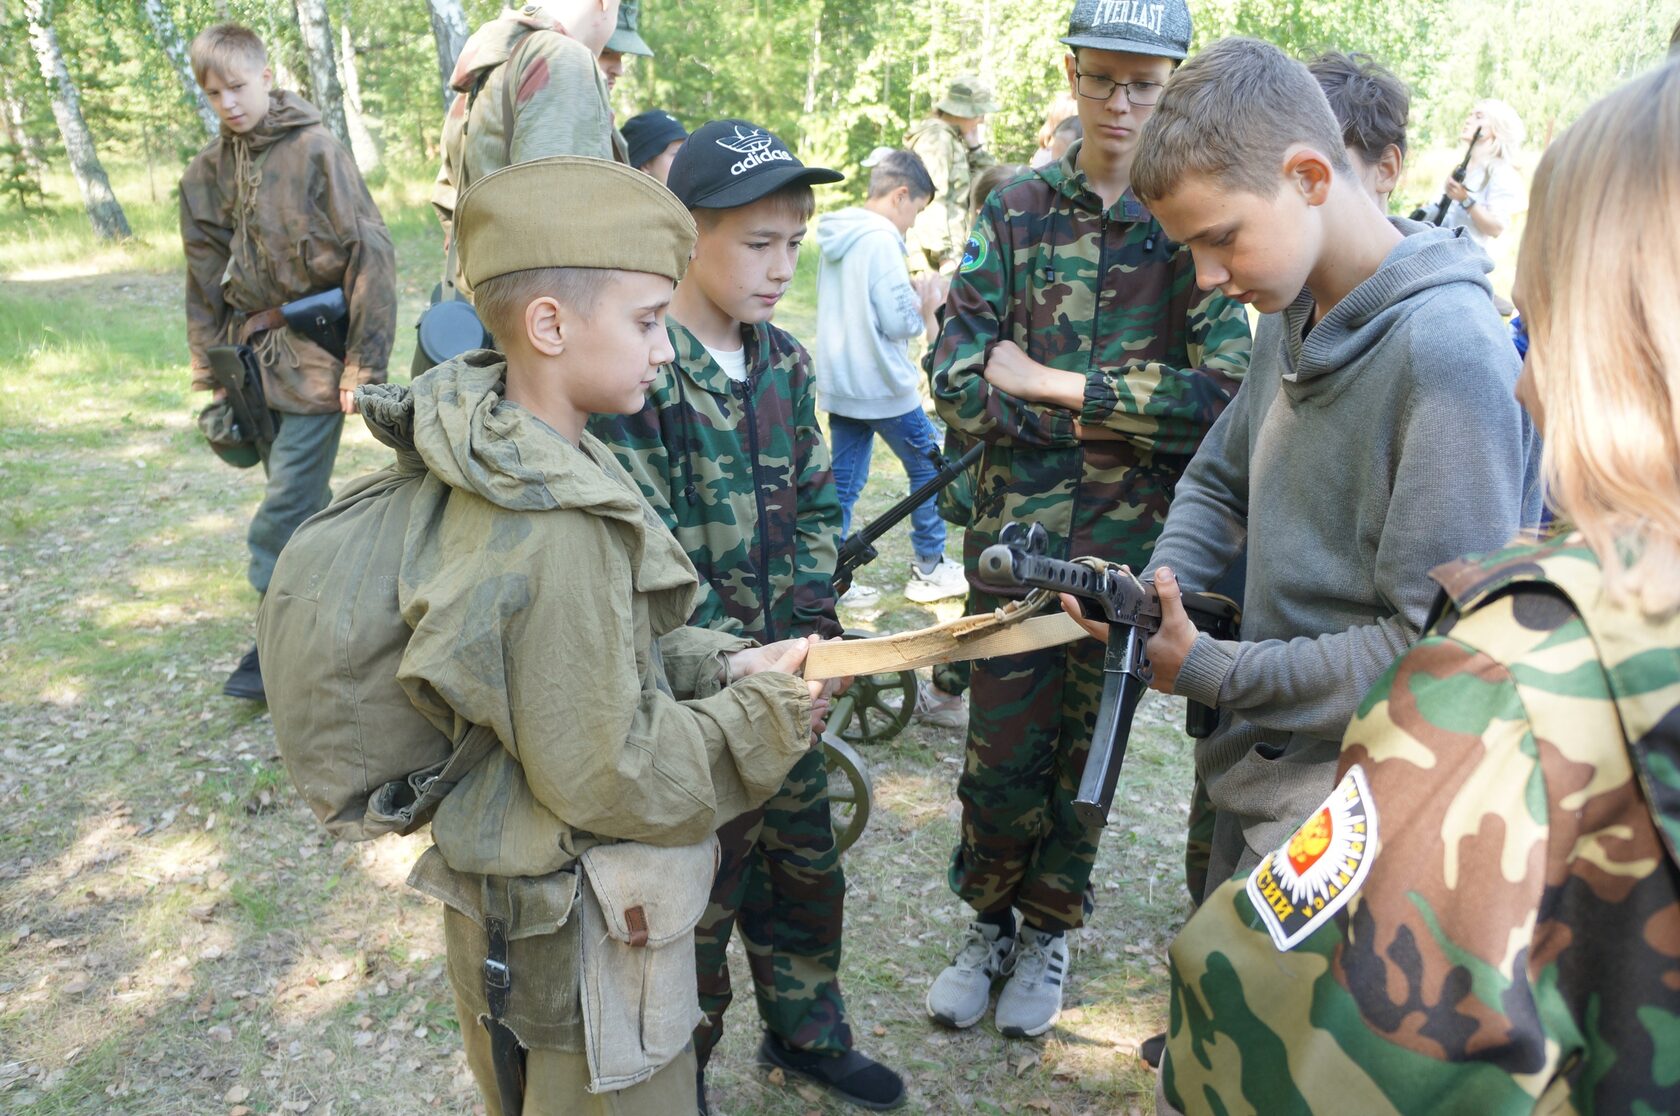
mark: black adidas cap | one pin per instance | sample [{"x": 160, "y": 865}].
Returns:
[{"x": 726, "y": 164}]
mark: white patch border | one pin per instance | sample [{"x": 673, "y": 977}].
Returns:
[{"x": 1274, "y": 926}]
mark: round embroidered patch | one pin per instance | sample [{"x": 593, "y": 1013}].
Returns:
[
  {"x": 1300, "y": 886},
  {"x": 974, "y": 254}
]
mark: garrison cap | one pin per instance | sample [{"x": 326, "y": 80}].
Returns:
[
  {"x": 1158, "y": 27},
  {"x": 968, "y": 96},
  {"x": 569, "y": 211},
  {"x": 626, "y": 39}
]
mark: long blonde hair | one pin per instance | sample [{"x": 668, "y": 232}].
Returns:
[
  {"x": 1599, "y": 275},
  {"x": 1508, "y": 129}
]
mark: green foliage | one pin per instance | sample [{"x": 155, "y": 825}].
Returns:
[
  {"x": 18, "y": 180},
  {"x": 834, "y": 77}
]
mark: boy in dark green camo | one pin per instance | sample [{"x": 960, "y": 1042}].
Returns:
[
  {"x": 729, "y": 452},
  {"x": 1077, "y": 346}
]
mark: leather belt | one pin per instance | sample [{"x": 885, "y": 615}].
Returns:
[{"x": 261, "y": 322}]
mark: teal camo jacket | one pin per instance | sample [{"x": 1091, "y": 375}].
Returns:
[
  {"x": 1105, "y": 294},
  {"x": 741, "y": 475}
]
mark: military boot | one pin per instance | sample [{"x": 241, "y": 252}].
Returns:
[{"x": 246, "y": 680}]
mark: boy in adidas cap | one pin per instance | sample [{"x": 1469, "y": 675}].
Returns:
[
  {"x": 729, "y": 451},
  {"x": 537, "y": 584},
  {"x": 1077, "y": 347}
]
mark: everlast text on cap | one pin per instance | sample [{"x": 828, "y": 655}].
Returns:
[{"x": 1156, "y": 27}]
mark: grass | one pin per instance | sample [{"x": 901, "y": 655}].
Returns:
[{"x": 176, "y": 932}]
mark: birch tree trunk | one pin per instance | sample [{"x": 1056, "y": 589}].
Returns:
[
  {"x": 163, "y": 29},
  {"x": 105, "y": 213},
  {"x": 449, "y": 28},
  {"x": 362, "y": 144},
  {"x": 326, "y": 92}
]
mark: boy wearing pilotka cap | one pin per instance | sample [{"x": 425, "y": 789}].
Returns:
[
  {"x": 547, "y": 602},
  {"x": 1077, "y": 347},
  {"x": 729, "y": 451}
]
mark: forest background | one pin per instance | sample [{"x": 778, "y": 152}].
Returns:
[{"x": 835, "y": 78}]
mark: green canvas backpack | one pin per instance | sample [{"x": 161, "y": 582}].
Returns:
[{"x": 330, "y": 637}]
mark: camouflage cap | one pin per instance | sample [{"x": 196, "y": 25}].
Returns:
[
  {"x": 968, "y": 96},
  {"x": 516, "y": 219},
  {"x": 626, "y": 39},
  {"x": 1157, "y": 27}
]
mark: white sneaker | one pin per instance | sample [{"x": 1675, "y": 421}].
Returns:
[
  {"x": 944, "y": 580},
  {"x": 961, "y": 993},
  {"x": 1031, "y": 1002},
  {"x": 940, "y": 709},
  {"x": 859, "y": 596}
]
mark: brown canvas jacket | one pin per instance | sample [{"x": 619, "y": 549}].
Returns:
[{"x": 308, "y": 225}]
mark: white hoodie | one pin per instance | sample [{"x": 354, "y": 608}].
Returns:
[{"x": 867, "y": 311}]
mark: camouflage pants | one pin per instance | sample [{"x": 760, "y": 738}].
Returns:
[
  {"x": 953, "y": 678},
  {"x": 1029, "y": 731},
  {"x": 779, "y": 878}
]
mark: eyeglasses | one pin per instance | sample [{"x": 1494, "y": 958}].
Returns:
[{"x": 1100, "y": 88}]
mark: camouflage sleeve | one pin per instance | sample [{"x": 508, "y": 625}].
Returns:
[
  {"x": 1373, "y": 962},
  {"x": 928, "y": 232},
  {"x": 979, "y": 159},
  {"x": 1165, "y": 409},
  {"x": 370, "y": 273},
  {"x": 641, "y": 444},
  {"x": 206, "y": 244},
  {"x": 560, "y": 103},
  {"x": 693, "y": 659},
  {"x": 817, "y": 548},
  {"x": 976, "y": 319}
]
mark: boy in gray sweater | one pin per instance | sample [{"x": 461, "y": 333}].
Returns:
[{"x": 1375, "y": 437}]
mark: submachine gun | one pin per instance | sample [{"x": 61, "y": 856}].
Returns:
[
  {"x": 1020, "y": 558},
  {"x": 859, "y": 549},
  {"x": 1421, "y": 213}
]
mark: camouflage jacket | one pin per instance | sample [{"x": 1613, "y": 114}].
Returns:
[
  {"x": 271, "y": 216},
  {"x": 741, "y": 475},
  {"x": 1106, "y": 295},
  {"x": 559, "y": 105},
  {"x": 943, "y": 226},
  {"x": 1485, "y": 915}
]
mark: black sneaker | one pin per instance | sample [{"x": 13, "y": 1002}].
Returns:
[
  {"x": 246, "y": 680},
  {"x": 854, "y": 1078},
  {"x": 1152, "y": 1049}
]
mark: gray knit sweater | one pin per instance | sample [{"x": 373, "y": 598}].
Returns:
[{"x": 1355, "y": 458}]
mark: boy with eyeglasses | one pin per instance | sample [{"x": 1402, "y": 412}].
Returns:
[{"x": 1078, "y": 347}]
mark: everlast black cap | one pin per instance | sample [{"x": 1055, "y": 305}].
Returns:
[
  {"x": 1158, "y": 27},
  {"x": 726, "y": 164}
]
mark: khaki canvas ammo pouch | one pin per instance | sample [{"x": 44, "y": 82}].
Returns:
[{"x": 640, "y": 905}]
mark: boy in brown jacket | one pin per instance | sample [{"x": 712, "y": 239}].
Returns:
[{"x": 272, "y": 210}]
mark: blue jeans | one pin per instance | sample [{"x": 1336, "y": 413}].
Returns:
[{"x": 911, "y": 436}]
